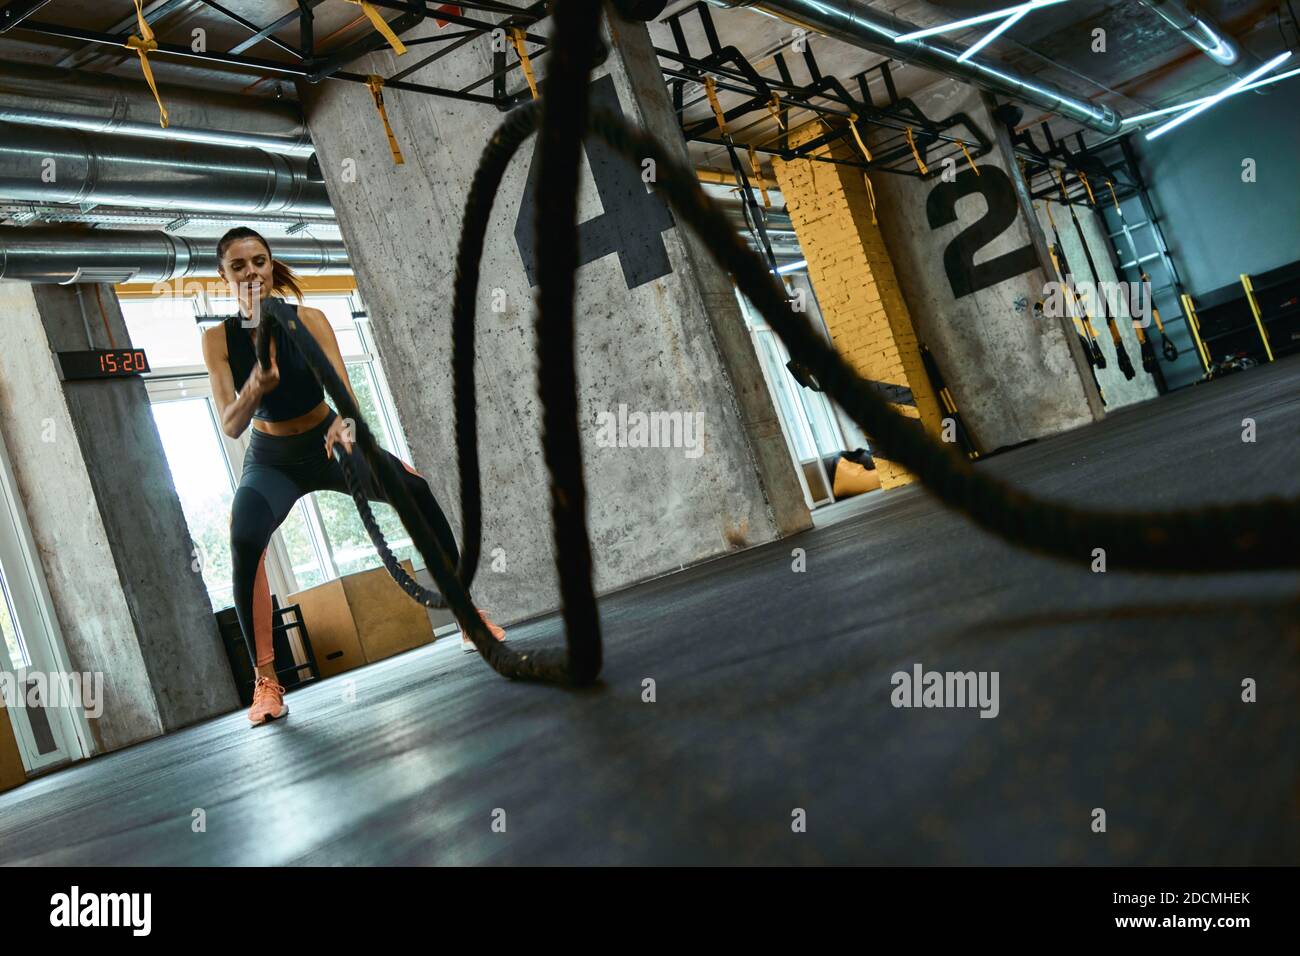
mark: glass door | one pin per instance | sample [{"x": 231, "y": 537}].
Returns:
[
  {"x": 807, "y": 417},
  {"x": 44, "y": 700}
]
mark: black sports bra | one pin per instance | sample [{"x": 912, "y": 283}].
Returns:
[{"x": 298, "y": 392}]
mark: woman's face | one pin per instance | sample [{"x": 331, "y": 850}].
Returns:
[{"x": 246, "y": 266}]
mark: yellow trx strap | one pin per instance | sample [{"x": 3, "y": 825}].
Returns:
[
  {"x": 758, "y": 177},
  {"x": 966, "y": 153},
  {"x": 774, "y": 105},
  {"x": 379, "y": 23},
  {"x": 517, "y": 37},
  {"x": 712, "y": 92},
  {"x": 871, "y": 196},
  {"x": 1088, "y": 186},
  {"x": 376, "y": 85},
  {"x": 920, "y": 164},
  {"x": 1113, "y": 197},
  {"x": 1086, "y": 319},
  {"x": 145, "y": 44},
  {"x": 853, "y": 125}
]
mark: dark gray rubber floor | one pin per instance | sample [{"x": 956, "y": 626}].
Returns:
[{"x": 1117, "y": 691}]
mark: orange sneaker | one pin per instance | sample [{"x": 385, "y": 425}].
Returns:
[
  {"x": 498, "y": 632},
  {"x": 268, "y": 702}
]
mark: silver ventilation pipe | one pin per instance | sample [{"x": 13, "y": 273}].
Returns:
[
  {"x": 43, "y": 164},
  {"x": 857, "y": 23},
  {"x": 100, "y": 103},
  {"x": 1213, "y": 43},
  {"x": 1206, "y": 35},
  {"x": 66, "y": 255}
]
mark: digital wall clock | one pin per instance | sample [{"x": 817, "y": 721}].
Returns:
[{"x": 102, "y": 363}]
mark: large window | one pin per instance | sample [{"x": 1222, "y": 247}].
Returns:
[
  {"x": 16, "y": 654},
  {"x": 322, "y": 537}
]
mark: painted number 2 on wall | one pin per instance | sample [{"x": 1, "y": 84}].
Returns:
[{"x": 963, "y": 274}]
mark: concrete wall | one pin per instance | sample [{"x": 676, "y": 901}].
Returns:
[
  {"x": 1218, "y": 226},
  {"x": 107, "y": 523},
  {"x": 1013, "y": 377},
  {"x": 665, "y": 336}
]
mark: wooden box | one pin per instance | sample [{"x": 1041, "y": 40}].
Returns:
[
  {"x": 360, "y": 619},
  {"x": 11, "y": 761}
]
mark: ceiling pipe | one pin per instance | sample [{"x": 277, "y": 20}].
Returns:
[
  {"x": 43, "y": 164},
  {"x": 101, "y": 103},
  {"x": 1204, "y": 34},
  {"x": 857, "y": 23},
  {"x": 52, "y": 254},
  {"x": 23, "y": 212}
]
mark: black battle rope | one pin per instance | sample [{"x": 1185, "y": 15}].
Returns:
[
  {"x": 542, "y": 665},
  {"x": 1247, "y": 536}
]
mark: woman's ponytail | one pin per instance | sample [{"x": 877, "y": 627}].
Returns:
[{"x": 284, "y": 280}]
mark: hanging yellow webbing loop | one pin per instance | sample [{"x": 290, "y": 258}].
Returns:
[
  {"x": 920, "y": 164},
  {"x": 774, "y": 106},
  {"x": 376, "y": 86},
  {"x": 712, "y": 92},
  {"x": 966, "y": 153},
  {"x": 758, "y": 177},
  {"x": 379, "y": 23},
  {"x": 853, "y": 125},
  {"x": 871, "y": 197},
  {"x": 1088, "y": 186},
  {"x": 144, "y": 44},
  {"x": 517, "y": 38},
  {"x": 1113, "y": 197}
]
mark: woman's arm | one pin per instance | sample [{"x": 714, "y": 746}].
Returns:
[{"x": 236, "y": 412}]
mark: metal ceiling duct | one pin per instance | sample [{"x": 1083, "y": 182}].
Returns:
[
  {"x": 100, "y": 103},
  {"x": 43, "y": 164},
  {"x": 858, "y": 23},
  {"x": 1213, "y": 42},
  {"x": 1206, "y": 35},
  {"x": 53, "y": 254}
]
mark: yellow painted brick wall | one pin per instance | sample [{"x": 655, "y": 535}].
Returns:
[{"x": 854, "y": 280}]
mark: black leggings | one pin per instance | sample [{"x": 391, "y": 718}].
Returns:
[{"x": 278, "y": 470}]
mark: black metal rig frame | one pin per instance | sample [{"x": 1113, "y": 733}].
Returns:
[{"x": 826, "y": 96}]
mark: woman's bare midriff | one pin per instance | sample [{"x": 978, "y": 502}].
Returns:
[{"x": 293, "y": 426}]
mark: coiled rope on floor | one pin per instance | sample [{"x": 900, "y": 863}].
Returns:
[{"x": 1248, "y": 536}]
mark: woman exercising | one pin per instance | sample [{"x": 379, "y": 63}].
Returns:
[{"x": 291, "y": 447}]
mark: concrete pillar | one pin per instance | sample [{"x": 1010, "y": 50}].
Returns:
[
  {"x": 107, "y": 523},
  {"x": 659, "y": 330},
  {"x": 970, "y": 273},
  {"x": 857, "y": 290},
  {"x": 1118, "y": 390}
]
